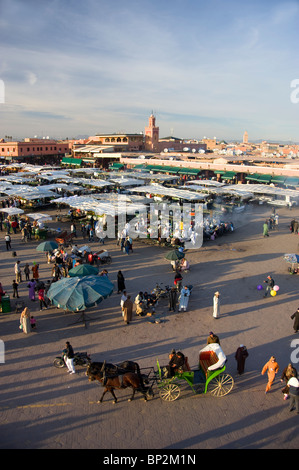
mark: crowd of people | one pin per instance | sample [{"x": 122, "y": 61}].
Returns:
[{"x": 144, "y": 302}]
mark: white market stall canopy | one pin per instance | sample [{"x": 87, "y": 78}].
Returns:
[
  {"x": 263, "y": 189},
  {"x": 159, "y": 190},
  {"x": 29, "y": 192},
  {"x": 105, "y": 207},
  {"x": 12, "y": 210}
]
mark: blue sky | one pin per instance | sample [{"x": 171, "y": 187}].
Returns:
[{"x": 206, "y": 68}]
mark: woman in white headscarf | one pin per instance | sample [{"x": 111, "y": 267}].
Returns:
[{"x": 216, "y": 305}]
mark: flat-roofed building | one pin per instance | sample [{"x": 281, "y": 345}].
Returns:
[{"x": 33, "y": 150}]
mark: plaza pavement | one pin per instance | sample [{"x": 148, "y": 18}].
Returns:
[{"x": 45, "y": 408}]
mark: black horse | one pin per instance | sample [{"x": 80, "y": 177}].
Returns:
[
  {"x": 118, "y": 381},
  {"x": 122, "y": 368}
]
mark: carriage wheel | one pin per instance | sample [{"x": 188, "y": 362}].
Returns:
[
  {"x": 170, "y": 392},
  {"x": 221, "y": 385}
]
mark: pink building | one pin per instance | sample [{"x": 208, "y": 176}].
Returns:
[{"x": 36, "y": 149}]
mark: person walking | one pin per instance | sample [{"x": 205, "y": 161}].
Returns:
[
  {"x": 25, "y": 320},
  {"x": 271, "y": 367},
  {"x": 128, "y": 310},
  {"x": 27, "y": 272},
  {"x": 184, "y": 298},
  {"x": 120, "y": 282},
  {"x": 295, "y": 317},
  {"x": 15, "y": 286},
  {"x": 41, "y": 298},
  {"x": 241, "y": 356},
  {"x": 33, "y": 322},
  {"x": 34, "y": 270},
  {"x": 293, "y": 385},
  {"x": 7, "y": 239},
  {"x": 287, "y": 373},
  {"x": 31, "y": 285},
  {"x": 122, "y": 301},
  {"x": 18, "y": 272},
  {"x": 265, "y": 230},
  {"x": 270, "y": 284},
  {"x": 173, "y": 296},
  {"x": 69, "y": 357},
  {"x": 216, "y": 305}
]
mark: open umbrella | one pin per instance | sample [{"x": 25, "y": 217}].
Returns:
[
  {"x": 174, "y": 255},
  {"x": 47, "y": 246},
  {"x": 79, "y": 293},
  {"x": 293, "y": 259},
  {"x": 83, "y": 270}
]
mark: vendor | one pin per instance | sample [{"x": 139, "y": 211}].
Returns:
[{"x": 185, "y": 266}]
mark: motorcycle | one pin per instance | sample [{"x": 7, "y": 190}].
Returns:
[
  {"x": 80, "y": 359},
  {"x": 161, "y": 292}
]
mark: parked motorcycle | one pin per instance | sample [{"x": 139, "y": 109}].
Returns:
[
  {"x": 161, "y": 292},
  {"x": 80, "y": 359}
]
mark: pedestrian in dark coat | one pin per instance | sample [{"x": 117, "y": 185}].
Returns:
[
  {"x": 240, "y": 356},
  {"x": 128, "y": 310},
  {"x": 173, "y": 295},
  {"x": 120, "y": 282},
  {"x": 296, "y": 322}
]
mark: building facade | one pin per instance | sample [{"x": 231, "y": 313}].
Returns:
[{"x": 34, "y": 150}]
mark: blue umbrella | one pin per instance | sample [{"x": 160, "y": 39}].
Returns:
[{"x": 79, "y": 293}]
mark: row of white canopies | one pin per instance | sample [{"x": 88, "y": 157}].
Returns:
[{"x": 16, "y": 185}]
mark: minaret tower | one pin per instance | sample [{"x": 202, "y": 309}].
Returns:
[
  {"x": 245, "y": 137},
  {"x": 152, "y": 135}
]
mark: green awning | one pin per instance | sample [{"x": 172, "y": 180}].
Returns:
[
  {"x": 228, "y": 175},
  {"x": 254, "y": 177},
  {"x": 278, "y": 179},
  {"x": 291, "y": 182},
  {"x": 189, "y": 171},
  {"x": 71, "y": 161},
  {"x": 264, "y": 179},
  {"x": 140, "y": 167},
  {"x": 116, "y": 165}
]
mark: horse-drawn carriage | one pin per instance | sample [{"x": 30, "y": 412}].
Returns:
[{"x": 209, "y": 377}]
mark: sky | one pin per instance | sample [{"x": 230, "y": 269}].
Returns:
[{"x": 205, "y": 68}]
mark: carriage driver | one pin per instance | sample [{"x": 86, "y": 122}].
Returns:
[{"x": 176, "y": 361}]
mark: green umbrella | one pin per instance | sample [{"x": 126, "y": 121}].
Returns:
[
  {"x": 47, "y": 246},
  {"x": 83, "y": 270},
  {"x": 174, "y": 255}
]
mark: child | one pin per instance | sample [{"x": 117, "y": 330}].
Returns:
[
  {"x": 15, "y": 289},
  {"x": 41, "y": 298},
  {"x": 33, "y": 323}
]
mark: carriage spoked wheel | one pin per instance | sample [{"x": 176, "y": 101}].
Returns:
[
  {"x": 221, "y": 385},
  {"x": 170, "y": 392}
]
